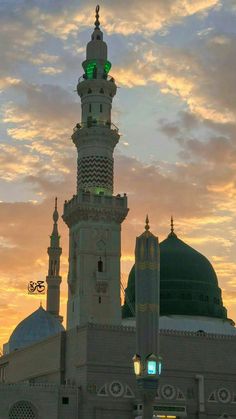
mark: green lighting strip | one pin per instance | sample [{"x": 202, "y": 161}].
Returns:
[
  {"x": 107, "y": 67},
  {"x": 90, "y": 69}
]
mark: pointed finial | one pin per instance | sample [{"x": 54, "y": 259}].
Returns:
[
  {"x": 147, "y": 227},
  {"x": 172, "y": 230},
  {"x": 172, "y": 225},
  {"x": 55, "y": 214},
  {"x": 97, "y": 23}
]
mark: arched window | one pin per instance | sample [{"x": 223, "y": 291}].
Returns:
[
  {"x": 100, "y": 107},
  {"x": 90, "y": 107},
  {"x": 89, "y": 90},
  {"x": 23, "y": 410},
  {"x": 100, "y": 265}
]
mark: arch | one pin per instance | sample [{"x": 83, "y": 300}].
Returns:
[
  {"x": 23, "y": 410},
  {"x": 100, "y": 265}
]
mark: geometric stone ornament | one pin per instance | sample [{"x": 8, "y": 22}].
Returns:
[
  {"x": 116, "y": 389},
  {"x": 224, "y": 395},
  {"x": 180, "y": 395},
  {"x": 103, "y": 391},
  {"x": 212, "y": 397},
  {"x": 128, "y": 392},
  {"x": 23, "y": 410},
  {"x": 168, "y": 392}
]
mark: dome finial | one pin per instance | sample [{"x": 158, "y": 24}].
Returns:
[
  {"x": 97, "y": 23},
  {"x": 147, "y": 227},
  {"x": 172, "y": 229},
  {"x": 172, "y": 225}
]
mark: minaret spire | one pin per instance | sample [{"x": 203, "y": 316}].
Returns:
[
  {"x": 97, "y": 23},
  {"x": 147, "y": 227},
  {"x": 55, "y": 238},
  {"x": 53, "y": 278}
]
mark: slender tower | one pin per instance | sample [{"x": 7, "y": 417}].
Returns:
[
  {"x": 94, "y": 215},
  {"x": 147, "y": 291},
  {"x": 53, "y": 278}
]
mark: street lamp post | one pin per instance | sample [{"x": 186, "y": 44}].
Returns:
[{"x": 147, "y": 364}]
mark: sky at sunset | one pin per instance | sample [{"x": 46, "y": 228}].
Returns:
[{"x": 174, "y": 62}]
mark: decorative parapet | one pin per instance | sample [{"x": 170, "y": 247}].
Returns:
[
  {"x": 84, "y": 132},
  {"x": 163, "y": 332},
  {"x": 88, "y": 206}
]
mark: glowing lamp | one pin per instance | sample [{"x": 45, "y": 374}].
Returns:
[
  {"x": 137, "y": 364},
  {"x": 151, "y": 367},
  {"x": 151, "y": 364},
  {"x": 160, "y": 366}
]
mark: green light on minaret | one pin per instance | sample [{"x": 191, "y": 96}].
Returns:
[
  {"x": 90, "y": 69},
  {"x": 107, "y": 67}
]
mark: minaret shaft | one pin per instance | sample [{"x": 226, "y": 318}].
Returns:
[
  {"x": 147, "y": 294},
  {"x": 94, "y": 215}
]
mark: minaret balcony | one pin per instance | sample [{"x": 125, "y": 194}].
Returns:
[
  {"x": 87, "y": 205},
  {"x": 105, "y": 76},
  {"x": 94, "y": 123},
  {"x": 99, "y": 85},
  {"x": 100, "y": 199}
]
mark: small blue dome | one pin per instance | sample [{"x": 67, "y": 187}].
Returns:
[{"x": 38, "y": 326}]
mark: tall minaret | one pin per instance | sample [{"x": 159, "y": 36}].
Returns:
[
  {"x": 94, "y": 215},
  {"x": 54, "y": 279}
]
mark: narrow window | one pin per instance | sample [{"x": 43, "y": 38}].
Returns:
[
  {"x": 100, "y": 265},
  {"x": 101, "y": 108},
  {"x": 89, "y": 91},
  {"x": 65, "y": 400},
  {"x": 99, "y": 300},
  {"x": 90, "y": 107},
  {"x": 102, "y": 91},
  {"x": 51, "y": 267}
]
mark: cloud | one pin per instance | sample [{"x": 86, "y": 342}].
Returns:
[
  {"x": 8, "y": 81},
  {"x": 202, "y": 78},
  {"x": 50, "y": 70},
  {"x": 42, "y": 122},
  {"x": 125, "y": 18},
  {"x": 150, "y": 190}
]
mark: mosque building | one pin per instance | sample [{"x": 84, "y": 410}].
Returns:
[{"x": 85, "y": 371}]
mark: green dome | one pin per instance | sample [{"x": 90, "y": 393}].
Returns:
[{"x": 188, "y": 283}]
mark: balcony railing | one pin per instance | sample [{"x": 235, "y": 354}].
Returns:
[
  {"x": 105, "y": 77},
  {"x": 96, "y": 123}
]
